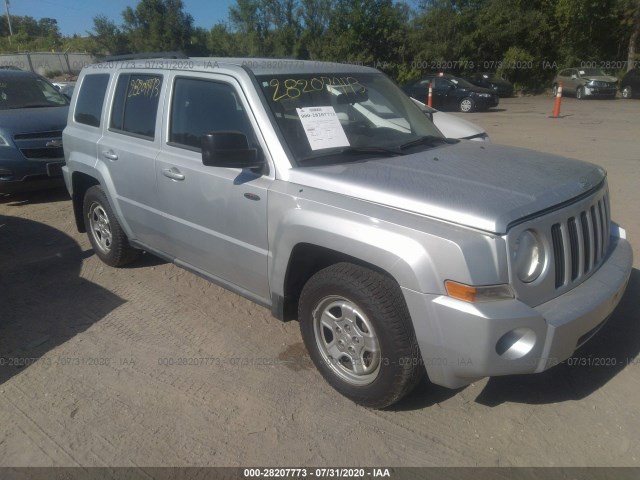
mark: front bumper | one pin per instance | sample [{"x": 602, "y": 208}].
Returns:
[
  {"x": 600, "y": 91},
  {"x": 483, "y": 103},
  {"x": 462, "y": 342}
]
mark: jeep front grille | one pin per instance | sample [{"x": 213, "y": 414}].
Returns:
[{"x": 580, "y": 242}]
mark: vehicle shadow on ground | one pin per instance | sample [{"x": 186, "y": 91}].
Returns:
[
  {"x": 43, "y": 300},
  {"x": 51, "y": 195},
  {"x": 613, "y": 348},
  {"x": 145, "y": 260}
]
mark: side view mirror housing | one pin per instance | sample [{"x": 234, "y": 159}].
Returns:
[{"x": 230, "y": 150}]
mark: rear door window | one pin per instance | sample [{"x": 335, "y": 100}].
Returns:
[{"x": 135, "y": 105}]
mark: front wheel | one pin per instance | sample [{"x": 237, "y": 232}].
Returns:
[
  {"x": 105, "y": 233},
  {"x": 626, "y": 92},
  {"x": 357, "y": 329},
  {"x": 580, "y": 93},
  {"x": 467, "y": 105},
  {"x": 555, "y": 90}
]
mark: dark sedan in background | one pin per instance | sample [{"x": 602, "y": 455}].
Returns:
[
  {"x": 491, "y": 81},
  {"x": 452, "y": 93},
  {"x": 32, "y": 117}
]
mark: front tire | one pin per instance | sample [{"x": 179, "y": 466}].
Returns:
[
  {"x": 555, "y": 90},
  {"x": 580, "y": 93},
  {"x": 358, "y": 332},
  {"x": 627, "y": 92},
  {"x": 105, "y": 233},
  {"x": 467, "y": 105}
]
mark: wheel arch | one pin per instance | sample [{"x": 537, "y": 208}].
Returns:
[
  {"x": 81, "y": 182},
  {"x": 307, "y": 259}
]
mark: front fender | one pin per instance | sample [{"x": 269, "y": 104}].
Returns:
[{"x": 418, "y": 252}]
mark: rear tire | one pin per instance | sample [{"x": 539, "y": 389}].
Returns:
[
  {"x": 627, "y": 92},
  {"x": 105, "y": 233},
  {"x": 358, "y": 332},
  {"x": 555, "y": 90}
]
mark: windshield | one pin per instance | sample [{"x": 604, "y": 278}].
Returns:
[
  {"x": 28, "y": 92},
  {"x": 328, "y": 118},
  {"x": 595, "y": 72},
  {"x": 461, "y": 82}
]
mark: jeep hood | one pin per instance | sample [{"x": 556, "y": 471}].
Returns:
[{"x": 483, "y": 186}]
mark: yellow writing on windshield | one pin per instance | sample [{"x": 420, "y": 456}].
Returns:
[{"x": 292, "y": 88}]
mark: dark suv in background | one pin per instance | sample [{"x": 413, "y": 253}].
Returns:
[
  {"x": 491, "y": 81},
  {"x": 32, "y": 117},
  {"x": 452, "y": 93},
  {"x": 630, "y": 84}
]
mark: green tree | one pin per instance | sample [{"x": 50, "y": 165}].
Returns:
[
  {"x": 108, "y": 37},
  {"x": 630, "y": 23},
  {"x": 158, "y": 25},
  {"x": 370, "y": 32}
]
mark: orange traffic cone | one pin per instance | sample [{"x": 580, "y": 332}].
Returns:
[{"x": 556, "y": 108}]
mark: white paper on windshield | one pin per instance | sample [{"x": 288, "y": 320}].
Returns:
[{"x": 322, "y": 126}]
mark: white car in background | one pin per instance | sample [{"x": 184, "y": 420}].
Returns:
[
  {"x": 379, "y": 114},
  {"x": 452, "y": 126}
]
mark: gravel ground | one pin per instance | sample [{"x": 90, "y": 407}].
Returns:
[{"x": 93, "y": 386}]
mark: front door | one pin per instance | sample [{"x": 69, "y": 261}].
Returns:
[{"x": 216, "y": 218}]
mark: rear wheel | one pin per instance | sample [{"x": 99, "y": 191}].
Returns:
[
  {"x": 467, "y": 105},
  {"x": 357, "y": 329},
  {"x": 105, "y": 233},
  {"x": 555, "y": 90},
  {"x": 627, "y": 92}
]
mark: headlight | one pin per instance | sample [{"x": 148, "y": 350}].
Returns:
[
  {"x": 484, "y": 95},
  {"x": 3, "y": 142},
  {"x": 528, "y": 256}
]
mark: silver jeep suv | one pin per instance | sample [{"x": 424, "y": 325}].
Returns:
[{"x": 322, "y": 192}]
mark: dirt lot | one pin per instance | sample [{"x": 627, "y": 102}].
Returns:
[{"x": 102, "y": 393}]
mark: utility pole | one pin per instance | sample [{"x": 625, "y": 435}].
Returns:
[{"x": 6, "y": 6}]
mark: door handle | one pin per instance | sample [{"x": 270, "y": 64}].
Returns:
[
  {"x": 173, "y": 173},
  {"x": 110, "y": 155}
]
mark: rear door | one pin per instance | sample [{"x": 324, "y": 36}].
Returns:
[{"x": 128, "y": 150}]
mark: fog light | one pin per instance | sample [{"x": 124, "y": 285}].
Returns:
[{"x": 516, "y": 343}]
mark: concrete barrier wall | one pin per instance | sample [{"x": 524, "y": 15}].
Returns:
[{"x": 45, "y": 63}]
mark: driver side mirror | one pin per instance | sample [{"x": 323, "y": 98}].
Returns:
[{"x": 229, "y": 149}]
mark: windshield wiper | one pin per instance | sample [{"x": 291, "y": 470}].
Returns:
[
  {"x": 389, "y": 152},
  {"x": 431, "y": 140}
]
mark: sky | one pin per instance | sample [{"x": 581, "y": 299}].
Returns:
[{"x": 76, "y": 16}]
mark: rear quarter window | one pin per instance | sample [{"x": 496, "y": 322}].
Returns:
[
  {"x": 135, "y": 105},
  {"x": 91, "y": 99}
]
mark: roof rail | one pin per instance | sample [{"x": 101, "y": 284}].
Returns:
[{"x": 144, "y": 55}]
